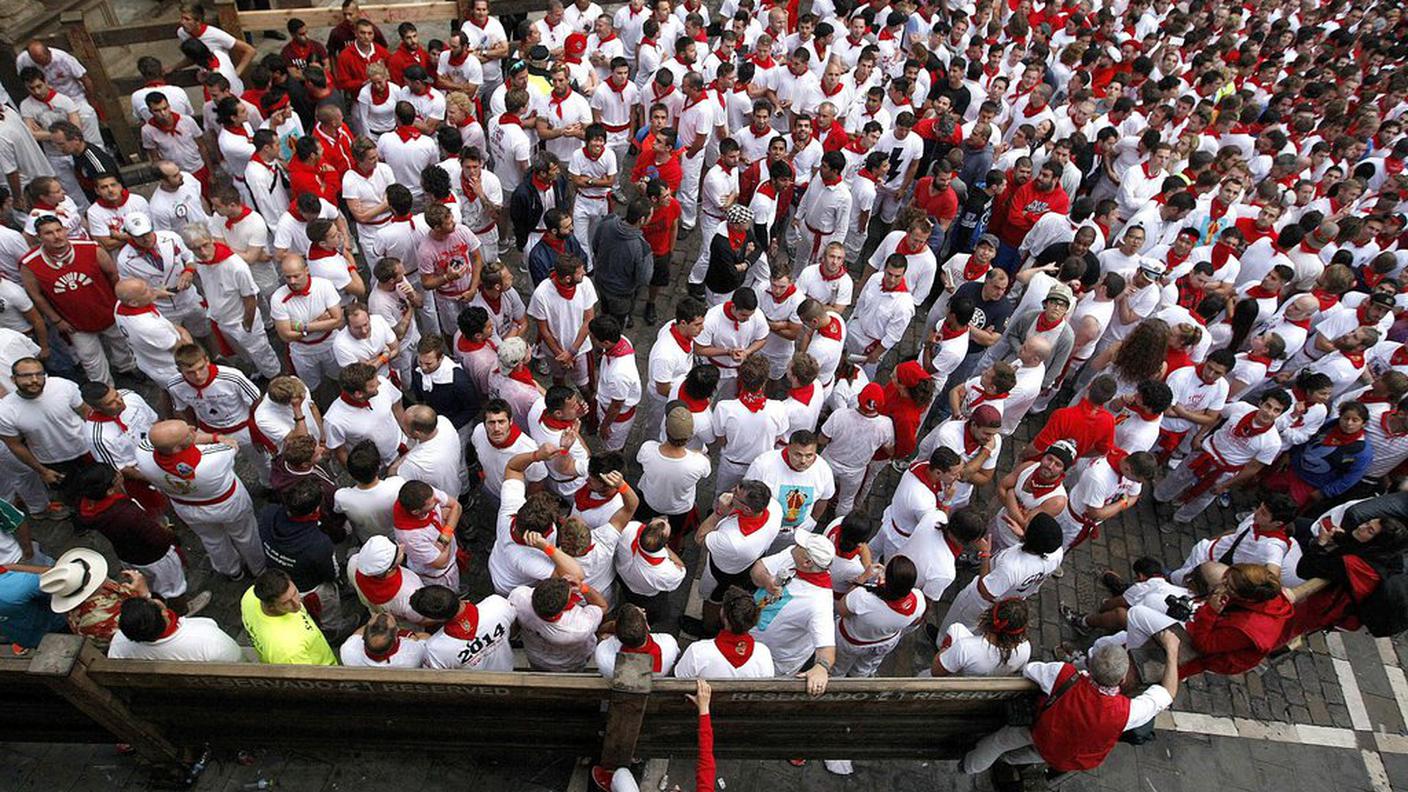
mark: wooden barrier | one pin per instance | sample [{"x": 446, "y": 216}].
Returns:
[{"x": 169, "y": 710}]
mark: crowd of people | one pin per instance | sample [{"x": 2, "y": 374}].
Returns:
[{"x": 652, "y": 298}]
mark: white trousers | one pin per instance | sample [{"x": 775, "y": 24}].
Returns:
[
  {"x": 1012, "y": 744},
  {"x": 689, "y": 189},
  {"x": 314, "y": 363},
  {"x": 586, "y": 216},
  {"x": 1180, "y": 480},
  {"x": 254, "y": 344},
  {"x": 95, "y": 349},
  {"x": 619, "y": 432},
  {"x": 708, "y": 224},
  {"x": 861, "y": 661},
  {"x": 228, "y": 542},
  {"x": 848, "y": 484},
  {"x": 729, "y": 474},
  {"x": 168, "y": 578}
]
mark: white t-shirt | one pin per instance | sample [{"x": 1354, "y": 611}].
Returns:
[
  {"x": 438, "y": 461},
  {"x": 1190, "y": 392},
  {"x": 641, "y": 571},
  {"x": 345, "y": 424},
  {"x": 665, "y": 645},
  {"x": 872, "y": 620},
  {"x": 669, "y": 362},
  {"x": 797, "y": 491},
  {"x": 286, "y": 306},
  {"x": 668, "y": 484},
  {"x": 407, "y": 652},
  {"x": 935, "y": 557},
  {"x": 1017, "y": 573},
  {"x": 733, "y": 551},
  {"x": 564, "y": 317},
  {"x": 196, "y": 640},
  {"x": 513, "y": 565},
  {"x": 748, "y": 434},
  {"x": 48, "y": 424},
  {"x": 564, "y": 644},
  {"x": 726, "y": 657},
  {"x": 855, "y": 438},
  {"x": 493, "y": 461},
  {"x": 477, "y": 639},
  {"x": 962, "y": 653},
  {"x": 369, "y": 510},
  {"x": 800, "y": 622}
]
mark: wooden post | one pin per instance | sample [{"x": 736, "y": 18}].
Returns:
[
  {"x": 630, "y": 689},
  {"x": 229, "y": 15},
  {"x": 82, "y": 46},
  {"x": 62, "y": 661}
]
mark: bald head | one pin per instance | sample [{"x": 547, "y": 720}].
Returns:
[
  {"x": 39, "y": 51},
  {"x": 420, "y": 421},
  {"x": 1302, "y": 307},
  {"x": 168, "y": 169},
  {"x": 134, "y": 292},
  {"x": 171, "y": 437},
  {"x": 1035, "y": 350},
  {"x": 293, "y": 264}
]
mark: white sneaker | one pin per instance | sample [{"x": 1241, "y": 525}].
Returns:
[
  {"x": 197, "y": 603},
  {"x": 841, "y": 767}
]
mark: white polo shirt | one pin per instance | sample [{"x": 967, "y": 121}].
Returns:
[
  {"x": 104, "y": 221},
  {"x": 407, "y": 158},
  {"x": 370, "y": 189},
  {"x": 347, "y": 424},
  {"x": 563, "y": 644},
  {"x": 241, "y": 234},
  {"x": 800, "y": 622},
  {"x": 321, "y": 297},
  {"x": 573, "y": 109},
  {"x": 600, "y": 168},
  {"x": 222, "y": 404},
  {"x": 618, "y": 380},
  {"x": 476, "y": 639},
  {"x": 48, "y": 424},
  {"x": 722, "y": 331},
  {"x": 614, "y": 108}
]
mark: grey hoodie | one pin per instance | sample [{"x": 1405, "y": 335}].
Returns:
[{"x": 620, "y": 258}]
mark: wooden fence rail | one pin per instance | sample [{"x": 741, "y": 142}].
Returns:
[{"x": 69, "y": 692}]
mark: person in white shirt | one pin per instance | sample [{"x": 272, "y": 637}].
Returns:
[
  {"x": 1262, "y": 538},
  {"x": 510, "y": 148},
  {"x": 41, "y": 423},
  {"x": 592, "y": 169},
  {"x": 670, "y": 473},
  {"x": 525, "y": 533},
  {"x": 871, "y": 621},
  {"x": 1016, "y": 572},
  {"x": 368, "y": 407},
  {"x": 196, "y": 471},
  {"x": 147, "y": 630},
  {"x": 998, "y": 646},
  {"x": 671, "y": 357},
  {"x": 152, "y": 337},
  {"x": 1227, "y": 456},
  {"x": 850, "y": 439},
  {"x": 162, "y": 259},
  {"x": 425, "y": 519},
  {"x": 368, "y": 503},
  {"x": 380, "y": 578},
  {"x": 380, "y": 644},
  {"x": 749, "y": 425},
  {"x": 489, "y": 43},
  {"x": 799, "y": 479},
  {"x": 219, "y": 400},
  {"x": 286, "y": 410},
  {"x": 564, "y": 116},
  {"x": 497, "y": 440},
  {"x": 107, "y": 215},
  {"x": 1151, "y": 588},
  {"x": 435, "y": 455},
  {"x": 265, "y": 178},
  {"x": 618, "y": 386},
  {"x": 740, "y": 529},
  {"x": 558, "y": 621},
  {"x": 798, "y": 622},
  {"x": 779, "y": 304},
  {"x": 733, "y": 653},
  {"x": 632, "y": 636},
  {"x": 473, "y": 636},
  {"x": 881, "y": 316},
  {"x": 563, "y": 307},
  {"x": 246, "y": 234},
  {"x": 372, "y": 340},
  {"x": 306, "y": 312},
  {"x": 407, "y": 150},
  {"x": 824, "y": 214},
  {"x": 231, "y": 297},
  {"x": 647, "y": 568},
  {"x": 828, "y": 282}
]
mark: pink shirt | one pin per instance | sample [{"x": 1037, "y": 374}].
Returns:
[{"x": 437, "y": 255}]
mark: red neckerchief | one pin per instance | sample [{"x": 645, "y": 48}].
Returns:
[
  {"x": 456, "y": 60},
  {"x": 175, "y": 120},
  {"x": 776, "y": 300},
  {"x": 1327, "y": 300},
  {"x": 523, "y": 375},
  {"x": 1399, "y": 356},
  {"x": 221, "y": 253},
  {"x": 1264, "y": 360},
  {"x": 403, "y": 520},
  {"x": 611, "y": 83},
  {"x": 736, "y": 237},
  {"x": 832, "y": 329},
  {"x": 1043, "y": 324},
  {"x": 465, "y": 624},
  {"x": 407, "y": 133},
  {"x": 622, "y": 348},
  {"x": 947, "y": 333},
  {"x": 127, "y": 310},
  {"x": 840, "y": 273},
  {"x": 983, "y": 396},
  {"x": 211, "y": 372},
  {"x": 820, "y": 579},
  {"x": 495, "y": 302},
  {"x": 573, "y": 601},
  {"x": 586, "y": 500},
  {"x": 1143, "y": 412},
  {"x": 513, "y": 434},
  {"x": 835, "y": 536},
  {"x": 686, "y": 344},
  {"x": 657, "y": 663},
  {"x": 1042, "y": 488},
  {"x": 728, "y": 312},
  {"x": 383, "y": 656},
  {"x": 970, "y": 443},
  {"x": 695, "y": 406},
  {"x": 904, "y": 606},
  {"x": 1260, "y": 292},
  {"x": 238, "y": 130},
  {"x": 1355, "y": 359},
  {"x": 973, "y": 270},
  {"x": 831, "y": 181},
  {"x": 1247, "y": 426},
  {"x": 763, "y": 60},
  {"x": 173, "y": 623},
  {"x": 734, "y": 647},
  {"x": 750, "y": 525},
  {"x": 653, "y": 560},
  {"x": 379, "y": 590},
  {"x": 1360, "y": 313},
  {"x": 181, "y": 464},
  {"x": 510, "y": 118},
  {"x": 292, "y": 292},
  {"x": 318, "y": 252},
  {"x": 565, "y": 292},
  {"x": 540, "y": 185},
  {"x": 1217, "y": 209},
  {"x": 231, "y": 222},
  {"x": 98, "y": 416},
  {"x": 902, "y": 287},
  {"x": 753, "y": 400},
  {"x": 379, "y": 97},
  {"x": 904, "y": 250},
  {"x": 1337, "y": 437},
  {"x": 92, "y": 508},
  {"x": 465, "y": 345},
  {"x": 1221, "y": 252},
  {"x": 559, "y": 245},
  {"x": 555, "y": 424},
  {"x": 1188, "y": 295},
  {"x": 555, "y": 102},
  {"x": 787, "y": 458},
  {"x": 360, "y": 404}
]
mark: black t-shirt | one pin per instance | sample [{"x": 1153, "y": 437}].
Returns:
[
  {"x": 1059, "y": 252},
  {"x": 987, "y": 314}
]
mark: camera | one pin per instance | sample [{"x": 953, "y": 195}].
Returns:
[{"x": 1180, "y": 608}]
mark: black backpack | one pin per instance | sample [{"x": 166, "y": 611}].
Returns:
[{"x": 1384, "y": 613}]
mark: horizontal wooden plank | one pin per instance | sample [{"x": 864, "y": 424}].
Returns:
[
  {"x": 330, "y": 16},
  {"x": 127, "y": 35}
]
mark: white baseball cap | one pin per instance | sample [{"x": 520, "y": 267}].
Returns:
[
  {"x": 137, "y": 224},
  {"x": 817, "y": 547},
  {"x": 377, "y": 556}
]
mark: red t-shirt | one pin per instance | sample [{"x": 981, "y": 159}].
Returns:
[
  {"x": 1091, "y": 428},
  {"x": 938, "y": 205},
  {"x": 670, "y": 171},
  {"x": 401, "y": 59},
  {"x": 351, "y": 69},
  {"x": 657, "y": 229}
]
